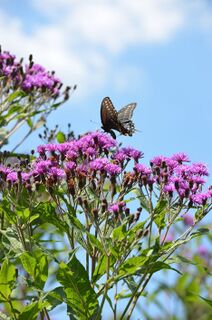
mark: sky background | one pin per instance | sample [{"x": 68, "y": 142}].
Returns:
[{"x": 157, "y": 53}]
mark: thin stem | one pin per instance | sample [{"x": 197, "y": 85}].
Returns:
[
  {"x": 15, "y": 128},
  {"x": 132, "y": 297},
  {"x": 46, "y": 314},
  {"x": 106, "y": 288},
  {"x": 22, "y": 140},
  {"x": 137, "y": 296}
]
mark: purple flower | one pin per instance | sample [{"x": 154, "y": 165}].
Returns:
[
  {"x": 200, "y": 198},
  {"x": 64, "y": 147},
  {"x": 141, "y": 168},
  {"x": 71, "y": 165},
  {"x": 51, "y": 147},
  {"x": 199, "y": 168},
  {"x": 41, "y": 149},
  {"x": 158, "y": 161},
  {"x": 12, "y": 177},
  {"x": 188, "y": 219},
  {"x": 112, "y": 169},
  {"x": 71, "y": 154},
  {"x": 26, "y": 175},
  {"x": 116, "y": 207},
  {"x": 180, "y": 157},
  {"x": 56, "y": 173},
  {"x": 99, "y": 163},
  {"x": 169, "y": 188},
  {"x": 91, "y": 151},
  {"x": 42, "y": 166},
  {"x": 36, "y": 77},
  {"x": 97, "y": 140},
  {"x": 5, "y": 170},
  {"x": 128, "y": 153},
  {"x": 82, "y": 169},
  {"x": 202, "y": 251}
]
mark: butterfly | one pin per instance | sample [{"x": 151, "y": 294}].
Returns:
[{"x": 117, "y": 120}]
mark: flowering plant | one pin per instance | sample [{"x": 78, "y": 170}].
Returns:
[
  {"x": 85, "y": 222},
  {"x": 29, "y": 94}
]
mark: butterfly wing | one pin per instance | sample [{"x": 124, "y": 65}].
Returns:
[
  {"x": 124, "y": 117},
  {"x": 109, "y": 115}
]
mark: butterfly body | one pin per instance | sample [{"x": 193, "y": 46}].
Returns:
[{"x": 117, "y": 120}]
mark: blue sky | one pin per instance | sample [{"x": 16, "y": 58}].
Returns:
[{"x": 156, "y": 53}]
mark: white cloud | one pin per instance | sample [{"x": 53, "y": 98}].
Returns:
[{"x": 80, "y": 38}]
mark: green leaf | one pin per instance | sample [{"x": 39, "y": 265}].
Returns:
[
  {"x": 30, "y": 123},
  {"x": 28, "y": 263},
  {"x": 131, "y": 234},
  {"x": 119, "y": 233},
  {"x": 47, "y": 213},
  {"x": 11, "y": 242},
  {"x": 81, "y": 297},
  {"x": 131, "y": 265},
  {"x": 56, "y": 296},
  {"x": 31, "y": 311},
  {"x": 101, "y": 267},
  {"x": 209, "y": 302},
  {"x": 159, "y": 265},
  {"x": 60, "y": 137},
  {"x": 7, "y": 279},
  {"x": 160, "y": 213},
  {"x": 95, "y": 242},
  {"x": 142, "y": 199},
  {"x": 184, "y": 260},
  {"x": 15, "y": 95},
  {"x": 142, "y": 264},
  {"x": 76, "y": 223},
  {"x": 41, "y": 271},
  {"x": 200, "y": 231}
]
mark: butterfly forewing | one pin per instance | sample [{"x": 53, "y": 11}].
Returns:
[{"x": 109, "y": 115}]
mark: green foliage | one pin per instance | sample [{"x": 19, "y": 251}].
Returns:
[
  {"x": 7, "y": 280},
  {"x": 80, "y": 295},
  {"x": 64, "y": 230}
]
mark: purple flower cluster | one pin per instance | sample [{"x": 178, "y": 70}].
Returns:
[
  {"x": 173, "y": 175},
  {"x": 95, "y": 157},
  {"x": 127, "y": 154},
  {"x": 27, "y": 78},
  {"x": 36, "y": 77}
]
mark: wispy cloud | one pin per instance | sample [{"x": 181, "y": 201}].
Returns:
[{"x": 80, "y": 38}]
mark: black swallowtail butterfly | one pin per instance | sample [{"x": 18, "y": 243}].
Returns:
[{"x": 117, "y": 120}]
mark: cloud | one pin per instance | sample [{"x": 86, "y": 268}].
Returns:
[{"x": 79, "y": 39}]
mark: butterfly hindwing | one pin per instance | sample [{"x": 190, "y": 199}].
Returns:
[{"x": 125, "y": 115}]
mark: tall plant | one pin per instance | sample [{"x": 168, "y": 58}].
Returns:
[{"x": 87, "y": 224}]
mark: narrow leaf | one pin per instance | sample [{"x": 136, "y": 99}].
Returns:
[{"x": 80, "y": 295}]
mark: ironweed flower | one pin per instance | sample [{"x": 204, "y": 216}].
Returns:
[
  {"x": 188, "y": 219},
  {"x": 94, "y": 160},
  {"x": 180, "y": 157},
  {"x": 128, "y": 154},
  {"x": 31, "y": 77},
  {"x": 117, "y": 207},
  {"x": 200, "y": 198}
]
